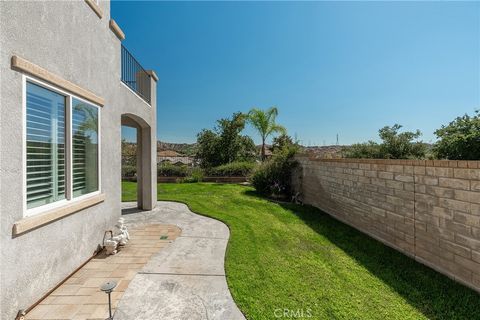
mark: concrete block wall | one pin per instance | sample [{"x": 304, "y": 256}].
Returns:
[{"x": 429, "y": 210}]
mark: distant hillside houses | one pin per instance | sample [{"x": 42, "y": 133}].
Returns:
[
  {"x": 175, "y": 158},
  {"x": 325, "y": 152},
  {"x": 185, "y": 149}
]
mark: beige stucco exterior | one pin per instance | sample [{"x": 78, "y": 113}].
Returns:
[{"x": 70, "y": 45}]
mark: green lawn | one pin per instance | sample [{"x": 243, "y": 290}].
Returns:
[{"x": 284, "y": 256}]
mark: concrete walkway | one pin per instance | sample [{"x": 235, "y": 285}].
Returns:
[{"x": 186, "y": 280}]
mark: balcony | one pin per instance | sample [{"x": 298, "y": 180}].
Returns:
[{"x": 134, "y": 76}]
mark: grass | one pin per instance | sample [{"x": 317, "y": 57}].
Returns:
[
  {"x": 129, "y": 191},
  {"x": 285, "y": 256}
]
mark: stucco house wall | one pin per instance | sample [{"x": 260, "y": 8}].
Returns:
[{"x": 69, "y": 39}]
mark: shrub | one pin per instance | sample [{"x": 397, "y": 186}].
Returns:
[
  {"x": 170, "y": 170},
  {"x": 233, "y": 169},
  {"x": 128, "y": 171},
  {"x": 394, "y": 145},
  {"x": 274, "y": 177},
  {"x": 364, "y": 150},
  {"x": 196, "y": 175}
]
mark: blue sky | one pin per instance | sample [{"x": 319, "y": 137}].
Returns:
[{"x": 330, "y": 67}]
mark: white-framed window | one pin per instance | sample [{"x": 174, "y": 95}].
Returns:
[{"x": 61, "y": 147}]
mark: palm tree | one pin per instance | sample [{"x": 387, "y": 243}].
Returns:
[{"x": 264, "y": 122}]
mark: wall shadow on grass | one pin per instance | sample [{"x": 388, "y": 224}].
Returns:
[{"x": 433, "y": 294}]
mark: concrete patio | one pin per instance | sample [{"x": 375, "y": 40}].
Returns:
[
  {"x": 173, "y": 268},
  {"x": 186, "y": 280}
]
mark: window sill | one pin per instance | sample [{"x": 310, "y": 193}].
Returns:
[{"x": 33, "y": 222}]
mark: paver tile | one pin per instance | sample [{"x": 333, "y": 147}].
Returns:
[
  {"x": 38, "y": 311},
  {"x": 61, "y": 312},
  {"x": 79, "y": 300},
  {"x": 66, "y": 290},
  {"x": 80, "y": 297}
]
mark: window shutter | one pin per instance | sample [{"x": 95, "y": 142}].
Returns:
[{"x": 45, "y": 146}]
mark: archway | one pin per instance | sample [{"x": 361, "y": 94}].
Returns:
[{"x": 145, "y": 161}]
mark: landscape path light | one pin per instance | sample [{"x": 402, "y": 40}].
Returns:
[{"x": 108, "y": 287}]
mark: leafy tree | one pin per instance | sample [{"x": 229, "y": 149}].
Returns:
[
  {"x": 207, "y": 144},
  {"x": 281, "y": 142},
  {"x": 403, "y": 145},
  {"x": 129, "y": 153},
  {"x": 264, "y": 122},
  {"x": 460, "y": 139},
  {"x": 395, "y": 145},
  {"x": 231, "y": 143},
  {"x": 247, "y": 150},
  {"x": 225, "y": 144}
]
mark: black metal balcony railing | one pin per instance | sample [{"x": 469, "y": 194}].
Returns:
[{"x": 134, "y": 76}]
